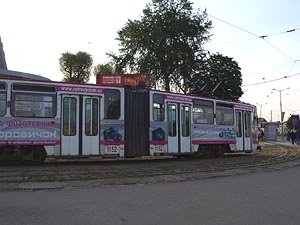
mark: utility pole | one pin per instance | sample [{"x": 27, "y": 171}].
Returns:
[
  {"x": 271, "y": 116},
  {"x": 260, "y": 107},
  {"x": 281, "y": 113}
]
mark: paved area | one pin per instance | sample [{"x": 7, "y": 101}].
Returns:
[
  {"x": 283, "y": 141},
  {"x": 263, "y": 198}
]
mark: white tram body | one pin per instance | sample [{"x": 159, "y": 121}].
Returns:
[
  {"x": 39, "y": 118},
  {"x": 184, "y": 124}
]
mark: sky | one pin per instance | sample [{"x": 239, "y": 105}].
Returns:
[{"x": 35, "y": 33}]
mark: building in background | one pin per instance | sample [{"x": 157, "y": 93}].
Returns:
[
  {"x": 2, "y": 57},
  {"x": 271, "y": 131},
  {"x": 4, "y": 72}
]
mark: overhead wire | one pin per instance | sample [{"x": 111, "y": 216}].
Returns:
[
  {"x": 260, "y": 36},
  {"x": 273, "y": 46},
  {"x": 283, "y": 32},
  {"x": 268, "y": 81},
  {"x": 270, "y": 44},
  {"x": 257, "y": 36},
  {"x": 242, "y": 29}
]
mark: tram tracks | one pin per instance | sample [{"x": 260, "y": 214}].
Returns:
[{"x": 273, "y": 157}]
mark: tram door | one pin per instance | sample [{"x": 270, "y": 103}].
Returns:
[
  {"x": 80, "y": 125},
  {"x": 179, "y": 128},
  {"x": 243, "y": 130}
]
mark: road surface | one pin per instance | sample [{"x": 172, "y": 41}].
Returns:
[{"x": 262, "y": 198}]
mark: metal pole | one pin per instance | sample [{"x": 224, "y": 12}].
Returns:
[
  {"x": 281, "y": 119},
  {"x": 260, "y": 109},
  {"x": 281, "y": 115},
  {"x": 260, "y": 113}
]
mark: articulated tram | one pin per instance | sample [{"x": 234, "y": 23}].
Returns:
[{"x": 40, "y": 118}]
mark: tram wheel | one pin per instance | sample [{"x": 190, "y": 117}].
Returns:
[
  {"x": 38, "y": 155},
  {"x": 34, "y": 154}
]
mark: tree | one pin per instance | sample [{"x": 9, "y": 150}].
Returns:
[
  {"x": 221, "y": 78},
  {"x": 103, "y": 69},
  {"x": 76, "y": 67},
  {"x": 289, "y": 124},
  {"x": 166, "y": 43}
]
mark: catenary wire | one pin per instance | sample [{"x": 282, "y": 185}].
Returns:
[
  {"x": 260, "y": 36},
  {"x": 268, "y": 81}
]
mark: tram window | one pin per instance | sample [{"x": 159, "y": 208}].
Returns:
[
  {"x": 69, "y": 116},
  {"x": 239, "y": 132},
  {"x": 33, "y": 105},
  {"x": 112, "y": 104},
  {"x": 185, "y": 121},
  {"x": 2, "y": 99},
  {"x": 91, "y": 117},
  {"x": 33, "y": 88},
  {"x": 172, "y": 120},
  {"x": 254, "y": 124},
  {"x": 224, "y": 114},
  {"x": 247, "y": 124},
  {"x": 203, "y": 112},
  {"x": 2, "y": 86},
  {"x": 158, "y": 107}
]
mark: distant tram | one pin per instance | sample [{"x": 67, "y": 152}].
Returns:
[{"x": 40, "y": 118}]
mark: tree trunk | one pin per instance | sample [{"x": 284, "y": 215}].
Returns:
[{"x": 167, "y": 82}]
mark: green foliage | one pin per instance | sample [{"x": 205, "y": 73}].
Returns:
[
  {"x": 166, "y": 43},
  {"x": 221, "y": 73},
  {"x": 103, "y": 69},
  {"x": 76, "y": 67},
  {"x": 107, "y": 68},
  {"x": 289, "y": 123}
]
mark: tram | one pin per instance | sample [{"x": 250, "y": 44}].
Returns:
[{"x": 40, "y": 118}]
